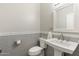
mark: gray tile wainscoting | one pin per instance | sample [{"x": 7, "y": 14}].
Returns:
[
  {"x": 8, "y": 48},
  {"x": 28, "y": 41}
]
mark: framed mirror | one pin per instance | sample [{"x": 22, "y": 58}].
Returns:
[{"x": 66, "y": 17}]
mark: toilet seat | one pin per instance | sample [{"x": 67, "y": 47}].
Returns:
[{"x": 35, "y": 50}]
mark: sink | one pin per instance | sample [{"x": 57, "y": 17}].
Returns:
[{"x": 61, "y": 46}]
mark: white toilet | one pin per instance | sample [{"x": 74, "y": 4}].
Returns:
[{"x": 36, "y": 50}]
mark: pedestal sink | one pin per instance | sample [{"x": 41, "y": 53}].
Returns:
[{"x": 61, "y": 46}]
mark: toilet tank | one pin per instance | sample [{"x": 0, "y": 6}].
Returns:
[{"x": 42, "y": 43}]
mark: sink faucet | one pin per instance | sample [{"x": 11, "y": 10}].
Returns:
[{"x": 61, "y": 36}]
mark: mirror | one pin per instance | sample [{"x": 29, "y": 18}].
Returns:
[{"x": 66, "y": 17}]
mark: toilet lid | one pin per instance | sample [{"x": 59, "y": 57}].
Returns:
[{"x": 35, "y": 49}]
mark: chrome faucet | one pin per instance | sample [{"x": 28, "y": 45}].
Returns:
[{"x": 61, "y": 36}]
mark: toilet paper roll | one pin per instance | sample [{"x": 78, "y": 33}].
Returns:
[{"x": 18, "y": 41}]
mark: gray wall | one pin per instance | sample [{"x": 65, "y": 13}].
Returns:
[
  {"x": 19, "y": 17},
  {"x": 7, "y": 44},
  {"x": 45, "y": 17},
  {"x": 22, "y": 19}
]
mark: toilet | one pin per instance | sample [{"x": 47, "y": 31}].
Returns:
[{"x": 37, "y": 50}]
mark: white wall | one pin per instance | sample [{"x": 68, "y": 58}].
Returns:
[
  {"x": 19, "y": 17},
  {"x": 45, "y": 17}
]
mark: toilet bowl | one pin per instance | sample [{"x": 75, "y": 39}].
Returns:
[{"x": 36, "y": 50}]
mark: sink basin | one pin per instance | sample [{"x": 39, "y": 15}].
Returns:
[{"x": 62, "y": 45}]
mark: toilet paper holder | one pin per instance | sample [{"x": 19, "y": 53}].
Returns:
[{"x": 17, "y": 42}]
